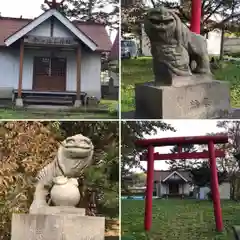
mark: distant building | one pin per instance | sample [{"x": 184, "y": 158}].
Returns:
[
  {"x": 172, "y": 183},
  {"x": 179, "y": 183}
]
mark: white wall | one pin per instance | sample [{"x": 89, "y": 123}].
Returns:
[
  {"x": 90, "y": 63},
  {"x": 184, "y": 188},
  {"x": 214, "y": 42},
  {"x": 9, "y": 68},
  {"x": 44, "y": 29},
  {"x": 224, "y": 191},
  {"x": 232, "y": 45},
  {"x": 164, "y": 189}
]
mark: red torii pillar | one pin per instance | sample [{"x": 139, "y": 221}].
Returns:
[
  {"x": 211, "y": 154},
  {"x": 196, "y": 13}
]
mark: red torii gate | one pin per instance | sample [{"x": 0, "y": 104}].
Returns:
[
  {"x": 196, "y": 13},
  {"x": 180, "y": 141}
]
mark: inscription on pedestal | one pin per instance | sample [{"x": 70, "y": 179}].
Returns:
[{"x": 197, "y": 104}]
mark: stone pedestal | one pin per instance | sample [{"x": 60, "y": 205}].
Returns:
[
  {"x": 192, "y": 100},
  {"x": 19, "y": 102},
  {"x": 77, "y": 103},
  {"x": 54, "y": 226}
]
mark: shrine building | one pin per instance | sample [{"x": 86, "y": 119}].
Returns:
[{"x": 50, "y": 58}]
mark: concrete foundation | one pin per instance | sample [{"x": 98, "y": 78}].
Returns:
[{"x": 192, "y": 100}]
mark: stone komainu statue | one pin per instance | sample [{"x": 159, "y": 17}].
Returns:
[
  {"x": 174, "y": 46},
  {"x": 73, "y": 156}
]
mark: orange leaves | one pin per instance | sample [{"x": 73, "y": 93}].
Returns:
[{"x": 25, "y": 147}]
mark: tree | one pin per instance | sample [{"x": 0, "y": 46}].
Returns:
[
  {"x": 202, "y": 175},
  {"x": 228, "y": 10},
  {"x": 131, "y": 131},
  {"x": 183, "y": 163},
  {"x": 106, "y": 11},
  {"x": 231, "y": 163}
]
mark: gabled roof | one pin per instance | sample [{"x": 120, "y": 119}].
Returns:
[
  {"x": 160, "y": 175},
  {"x": 174, "y": 172},
  {"x": 94, "y": 31},
  {"x": 46, "y": 15},
  {"x": 114, "y": 54}
]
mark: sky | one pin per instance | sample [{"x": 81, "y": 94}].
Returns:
[
  {"x": 28, "y": 9},
  {"x": 184, "y": 128}
]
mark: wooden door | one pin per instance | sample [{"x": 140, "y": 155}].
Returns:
[
  {"x": 49, "y": 74},
  {"x": 173, "y": 188}
]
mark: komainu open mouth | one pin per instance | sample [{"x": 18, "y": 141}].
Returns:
[{"x": 162, "y": 21}]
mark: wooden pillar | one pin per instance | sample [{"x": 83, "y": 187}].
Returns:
[
  {"x": 78, "y": 75},
  {"x": 20, "y": 68}
]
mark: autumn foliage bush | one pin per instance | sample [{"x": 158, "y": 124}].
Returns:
[{"x": 25, "y": 147}]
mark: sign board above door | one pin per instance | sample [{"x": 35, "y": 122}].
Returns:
[{"x": 56, "y": 41}]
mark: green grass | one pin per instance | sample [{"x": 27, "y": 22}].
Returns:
[
  {"x": 140, "y": 71},
  {"x": 105, "y": 110},
  {"x": 178, "y": 220}
]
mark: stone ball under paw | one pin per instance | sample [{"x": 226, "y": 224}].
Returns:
[{"x": 65, "y": 192}]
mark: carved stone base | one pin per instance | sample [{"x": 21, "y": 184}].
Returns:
[
  {"x": 57, "y": 226},
  {"x": 202, "y": 100}
]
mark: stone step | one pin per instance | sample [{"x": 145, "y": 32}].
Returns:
[{"x": 48, "y": 100}]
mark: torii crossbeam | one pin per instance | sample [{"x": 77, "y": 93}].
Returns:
[{"x": 180, "y": 141}]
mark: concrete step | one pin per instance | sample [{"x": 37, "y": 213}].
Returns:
[
  {"x": 48, "y": 97},
  {"x": 47, "y": 101}
]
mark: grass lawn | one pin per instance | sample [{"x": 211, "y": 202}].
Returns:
[
  {"x": 23, "y": 113},
  {"x": 178, "y": 220},
  {"x": 140, "y": 71}
]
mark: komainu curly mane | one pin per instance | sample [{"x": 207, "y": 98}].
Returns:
[{"x": 174, "y": 46}]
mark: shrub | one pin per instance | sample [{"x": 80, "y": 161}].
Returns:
[
  {"x": 209, "y": 195},
  {"x": 25, "y": 148},
  {"x": 128, "y": 97}
]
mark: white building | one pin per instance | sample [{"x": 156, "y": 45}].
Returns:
[{"x": 50, "y": 55}]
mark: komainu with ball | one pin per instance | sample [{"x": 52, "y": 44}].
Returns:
[
  {"x": 74, "y": 155},
  {"x": 174, "y": 47}
]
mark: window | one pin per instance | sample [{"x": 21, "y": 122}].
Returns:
[{"x": 48, "y": 66}]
